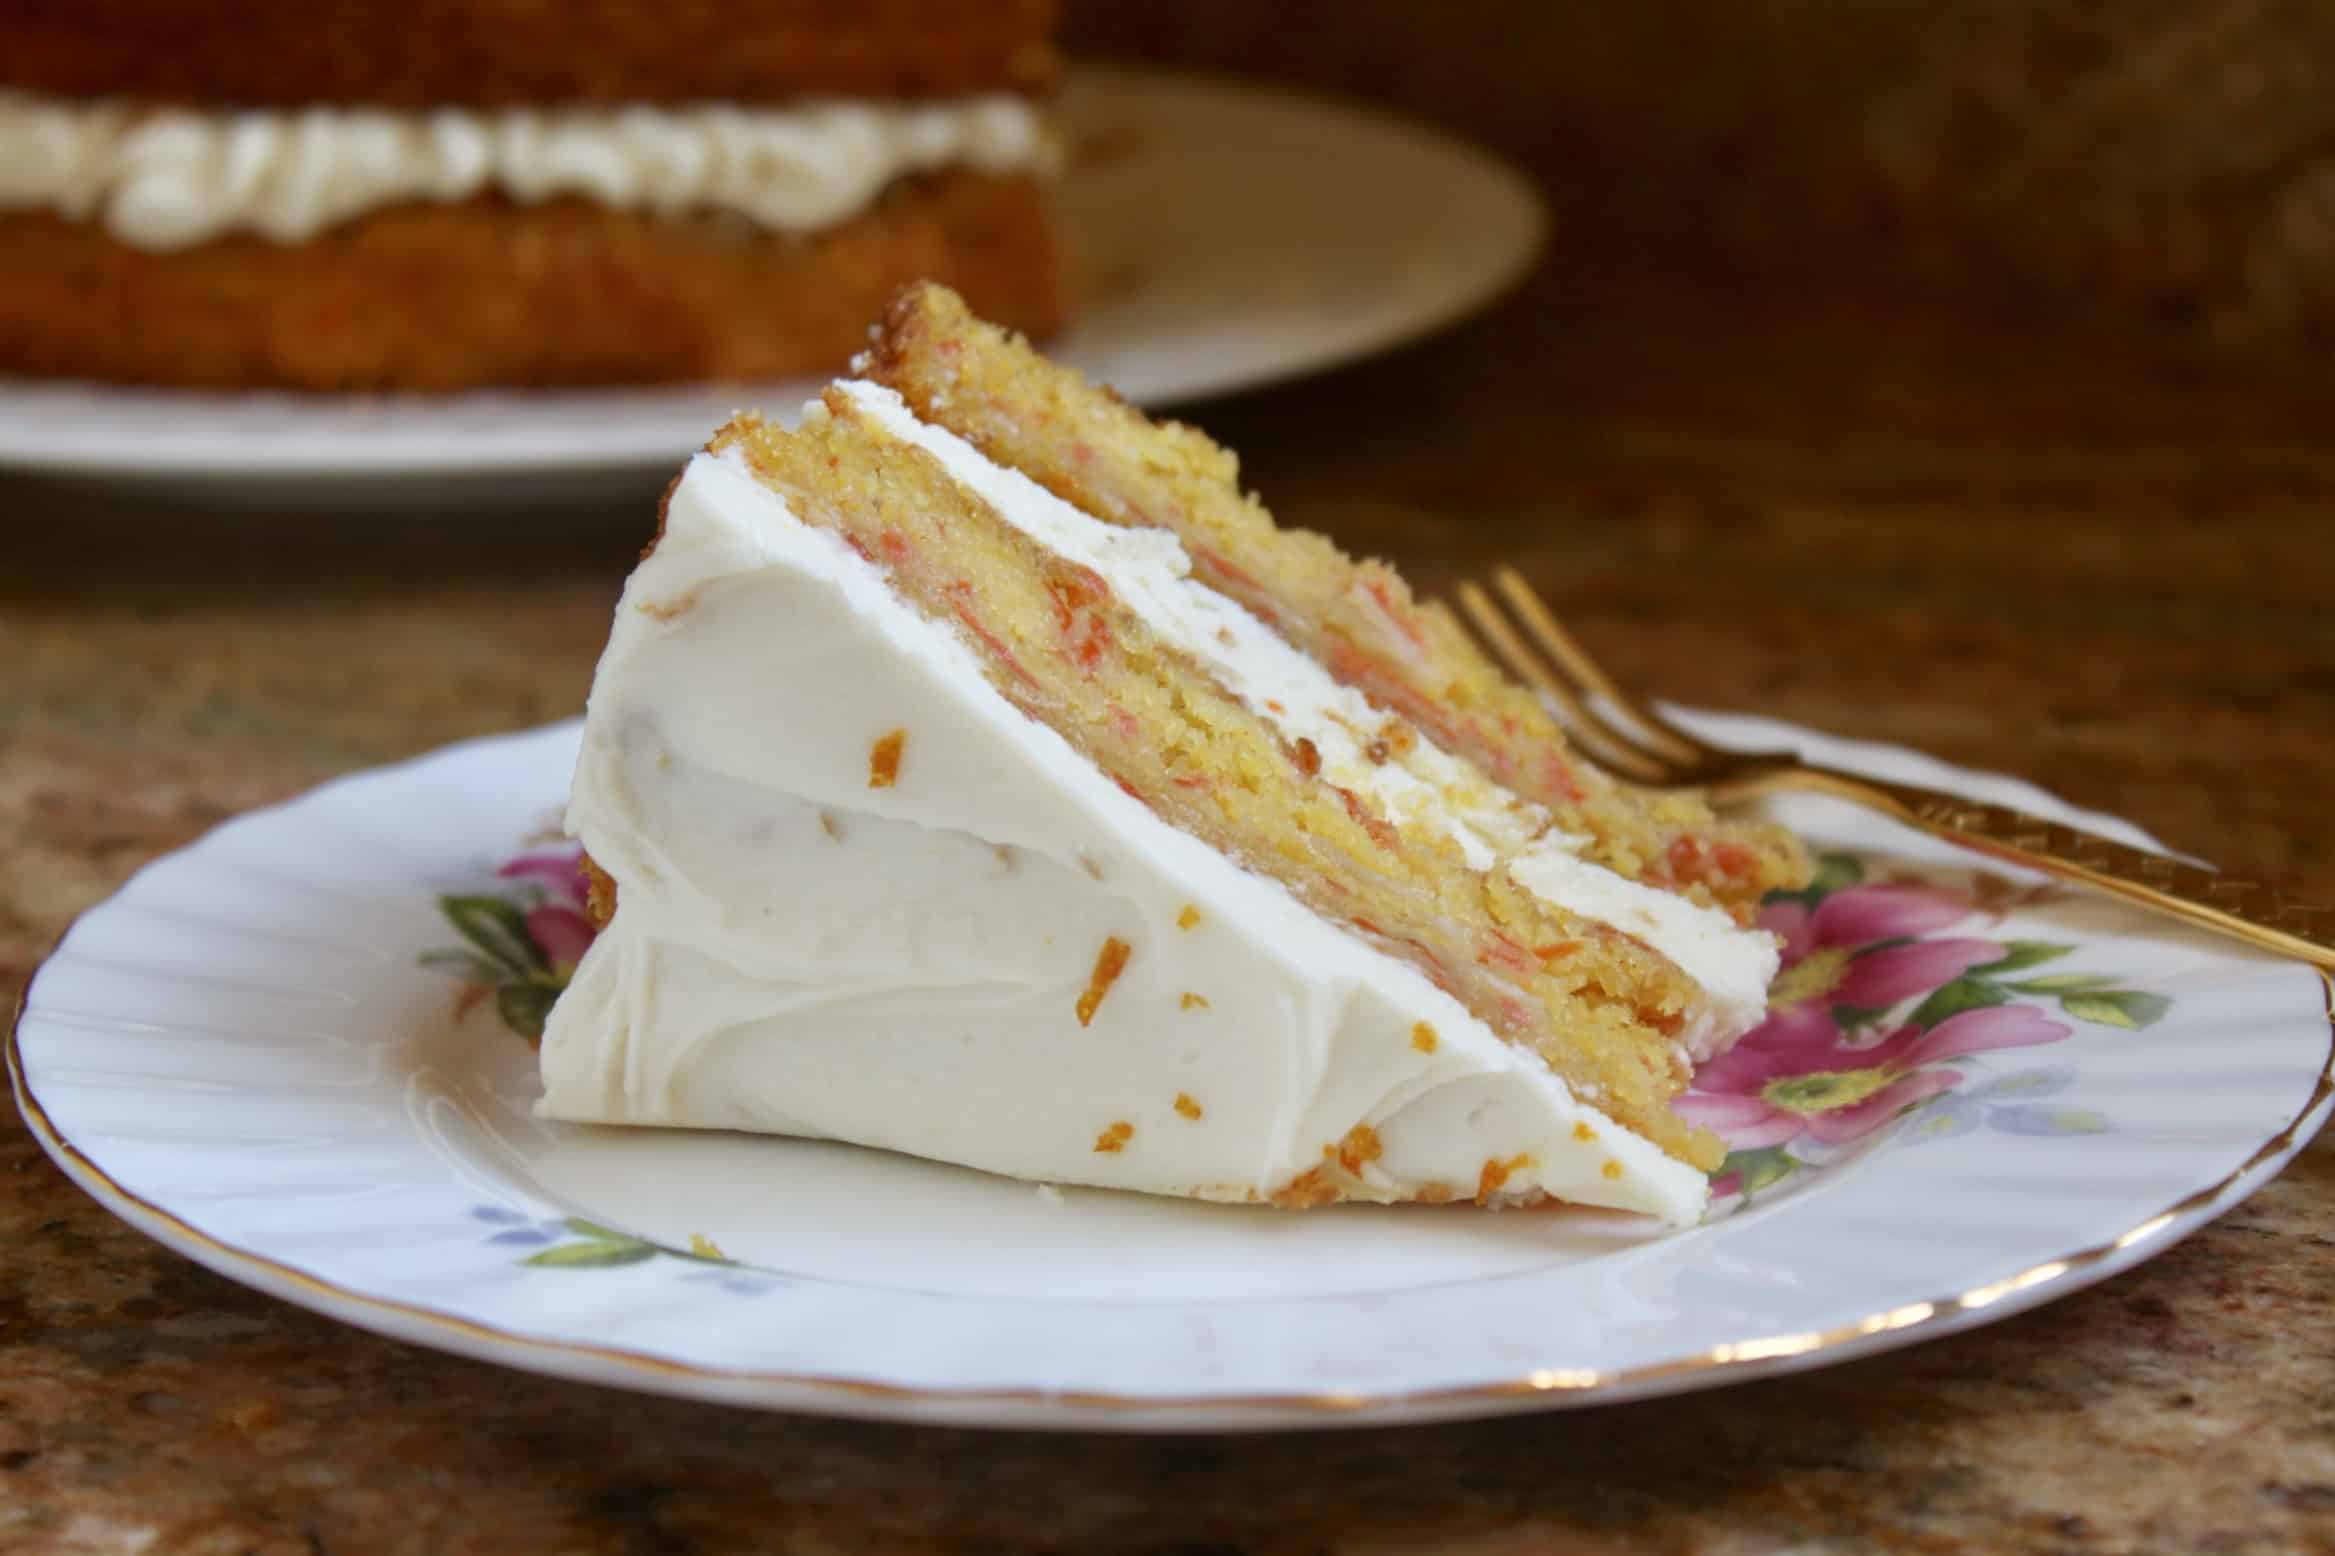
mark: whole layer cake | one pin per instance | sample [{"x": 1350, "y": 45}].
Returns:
[
  {"x": 453, "y": 193},
  {"x": 977, "y": 773}
]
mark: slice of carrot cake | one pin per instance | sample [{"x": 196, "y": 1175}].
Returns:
[{"x": 939, "y": 811}]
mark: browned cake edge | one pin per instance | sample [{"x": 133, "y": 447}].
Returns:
[{"x": 484, "y": 291}]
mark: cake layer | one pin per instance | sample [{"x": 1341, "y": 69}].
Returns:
[
  {"x": 865, "y": 896},
  {"x": 566, "y": 292},
  {"x": 1350, "y": 747},
  {"x": 1358, "y": 618},
  {"x": 172, "y": 178},
  {"x": 423, "y": 53},
  {"x": 1218, "y": 760}
]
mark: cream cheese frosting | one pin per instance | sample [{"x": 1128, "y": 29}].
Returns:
[
  {"x": 168, "y": 178},
  {"x": 794, "y": 951}
]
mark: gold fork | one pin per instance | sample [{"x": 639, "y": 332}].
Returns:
[{"x": 1628, "y": 738}]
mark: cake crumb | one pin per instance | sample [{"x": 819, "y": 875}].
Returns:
[
  {"x": 1583, "y": 1133},
  {"x": 1193, "y": 1001},
  {"x": 706, "y": 1248},
  {"x": 884, "y": 760},
  {"x": 1114, "y": 1139},
  {"x": 1189, "y": 918},
  {"x": 1309, "y": 757},
  {"x": 1432, "y": 1193},
  {"x": 1110, "y": 961},
  {"x": 1611, "y": 1169},
  {"x": 1423, "y": 1037},
  {"x": 1186, "y": 1106},
  {"x": 829, "y": 825},
  {"x": 1050, "y": 1195}
]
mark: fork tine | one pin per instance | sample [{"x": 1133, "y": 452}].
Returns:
[
  {"x": 1601, "y": 741},
  {"x": 1550, "y": 637}
]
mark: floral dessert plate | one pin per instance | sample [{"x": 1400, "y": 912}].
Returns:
[{"x": 297, "y": 1053}]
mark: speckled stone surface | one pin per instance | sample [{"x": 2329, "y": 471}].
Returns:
[{"x": 2102, "y": 567}]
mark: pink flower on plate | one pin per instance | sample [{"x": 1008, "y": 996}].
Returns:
[
  {"x": 1795, "y": 1074},
  {"x": 560, "y": 933},
  {"x": 559, "y": 871},
  {"x": 557, "y": 925},
  {"x": 1822, "y": 957}
]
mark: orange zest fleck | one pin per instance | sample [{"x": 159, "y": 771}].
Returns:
[
  {"x": 884, "y": 759},
  {"x": 1360, "y": 1146},
  {"x": 1114, "y": 1139},
  {"x": 1110, "y": 961},
  {"x": 1186, "y": 1106},
  {"x": 1496, "y": 1174},
  {"x": 1423, "y": 1037},
  {"x": 1305, "y": 1191}
]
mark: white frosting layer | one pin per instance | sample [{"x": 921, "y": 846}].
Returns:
[
  {"x": 170, "y": 178},
  {"x": 796, "y": 952},
  {"x": 1149, "y": 572}
]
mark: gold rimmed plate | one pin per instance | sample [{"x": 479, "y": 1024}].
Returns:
[{"x": 294, "y": 1053}]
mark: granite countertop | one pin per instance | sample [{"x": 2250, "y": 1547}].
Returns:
[{"x": 2084, "y": 559}]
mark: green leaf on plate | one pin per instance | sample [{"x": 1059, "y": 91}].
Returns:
[
  {"x": 498, "y": 930},
  {"x": 524, "y": 1006},
  {"x": 1835, "y": 871},
  {"x": 2021, "y": 954},
  {"x": 469, "y": 966},
  {"x": 2063, "y": 983},
  {"x": 1855, "y": 1018},
  {"x": 1964, "y": 993},
  {"x": 2126, "y": 1008},
  {"x": 1758, "y": 1169},
  {"x": 599, "y": 1233},
  {"x": 591, "y": 1255}
]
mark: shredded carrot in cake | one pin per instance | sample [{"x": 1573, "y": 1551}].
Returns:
[
  {"x": 1186, "y": 1106},
  {"x": 1114, "y": 1139},
  {"x": 884, "y": 760},
  {"x": 1109, "y": 963}
]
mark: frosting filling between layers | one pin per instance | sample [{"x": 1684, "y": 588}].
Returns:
[
  {"x": 169, "y": 178},
  {"x": 1423, "y": 786},
  {"x": 921, "y": 966}
]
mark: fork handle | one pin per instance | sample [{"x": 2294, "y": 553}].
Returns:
[{"x": 2258, "y": 912}]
